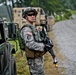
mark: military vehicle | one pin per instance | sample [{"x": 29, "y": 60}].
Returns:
[
  {"x": 50, "y": 21},
  {"x": 7, "y": 60},
  {"x": 41, "y": 18}
]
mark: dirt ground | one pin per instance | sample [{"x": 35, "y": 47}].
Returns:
[
  {"x": 49, "y": 67},
  {"x": 65, "y": 38}
]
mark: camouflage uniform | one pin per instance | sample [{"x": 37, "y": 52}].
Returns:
[{"x": 33, "y": 43}]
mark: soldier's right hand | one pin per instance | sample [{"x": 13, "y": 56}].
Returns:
[
  {"x": 47, "y": 47},
  {"x": 48, "y": 42}
]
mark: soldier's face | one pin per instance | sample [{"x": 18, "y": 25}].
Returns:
[{"x": 31, "y": 17}]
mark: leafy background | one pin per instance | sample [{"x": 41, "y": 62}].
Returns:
[{"x": 55, "y": 7}]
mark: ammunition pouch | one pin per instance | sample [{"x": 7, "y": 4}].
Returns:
[{"x": 34, "y": 54}]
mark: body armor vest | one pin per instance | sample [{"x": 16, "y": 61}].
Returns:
[{"x": 32, "y": 53}]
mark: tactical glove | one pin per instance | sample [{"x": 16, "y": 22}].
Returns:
[
  {"x": 48, "y": 42},
  {"x": 47, "y": 47}
]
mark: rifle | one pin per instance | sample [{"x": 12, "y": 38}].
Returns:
[{"x": 48, "y": 45}]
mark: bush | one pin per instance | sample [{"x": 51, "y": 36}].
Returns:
[{"x": 67, "y": 14}]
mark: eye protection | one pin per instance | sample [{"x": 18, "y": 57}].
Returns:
[{"x": 31, "y": 14}]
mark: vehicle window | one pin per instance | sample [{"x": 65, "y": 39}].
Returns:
[
  {"x": 2, "y": 39},
  {"x": 42, "y": 12}
]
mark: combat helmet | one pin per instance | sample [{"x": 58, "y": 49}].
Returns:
[{"x": 27, "y": 10}]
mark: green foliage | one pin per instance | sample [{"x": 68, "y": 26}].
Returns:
[
  {"x": 1, "y": 1},
  {"x": 69, "y": 4},
  {"x": 63, "y": 15},
  {"x": 73, "y": 12},
  {"x": 0, "y": 15},
  {"x": 34, "y": 3},
  {"x": 67, "y": 14},
  {"x": 50, "y": 6},
  {"x": 21, "y": 63}
]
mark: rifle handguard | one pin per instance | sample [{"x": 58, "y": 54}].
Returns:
[{"x": 48, "y": 42}]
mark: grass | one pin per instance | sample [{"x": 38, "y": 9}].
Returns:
[
  {"x": 73, "y": 12},
  {"x": 22, "y": 67}
]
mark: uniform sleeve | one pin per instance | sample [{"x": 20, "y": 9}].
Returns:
[{"x": 27, "y": 35}]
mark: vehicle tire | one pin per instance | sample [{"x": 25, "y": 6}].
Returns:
[
  {"x": 48, "y": 27},
  {"x": 13, "y": 66}
]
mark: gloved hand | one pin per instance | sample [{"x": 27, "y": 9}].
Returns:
[
  {"x": 48, "y": 43},
  {"x": 47, "y": 47},
  {"x": 55, "y": 61}
]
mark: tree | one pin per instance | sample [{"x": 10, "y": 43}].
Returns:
[
  {"x": 1, "y": 1},
  {"x": 35, "y": 3}
]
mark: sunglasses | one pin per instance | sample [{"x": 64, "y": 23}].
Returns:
[{"x": 31, "y": 14}]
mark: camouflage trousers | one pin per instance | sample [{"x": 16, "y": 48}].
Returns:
[{"x": 36, "y": 66}]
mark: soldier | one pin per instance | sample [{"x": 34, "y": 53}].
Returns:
[{"x": 33, "y": 42}]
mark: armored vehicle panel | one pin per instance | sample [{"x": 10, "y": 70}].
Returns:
[{"x": 7, "y": 60}]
